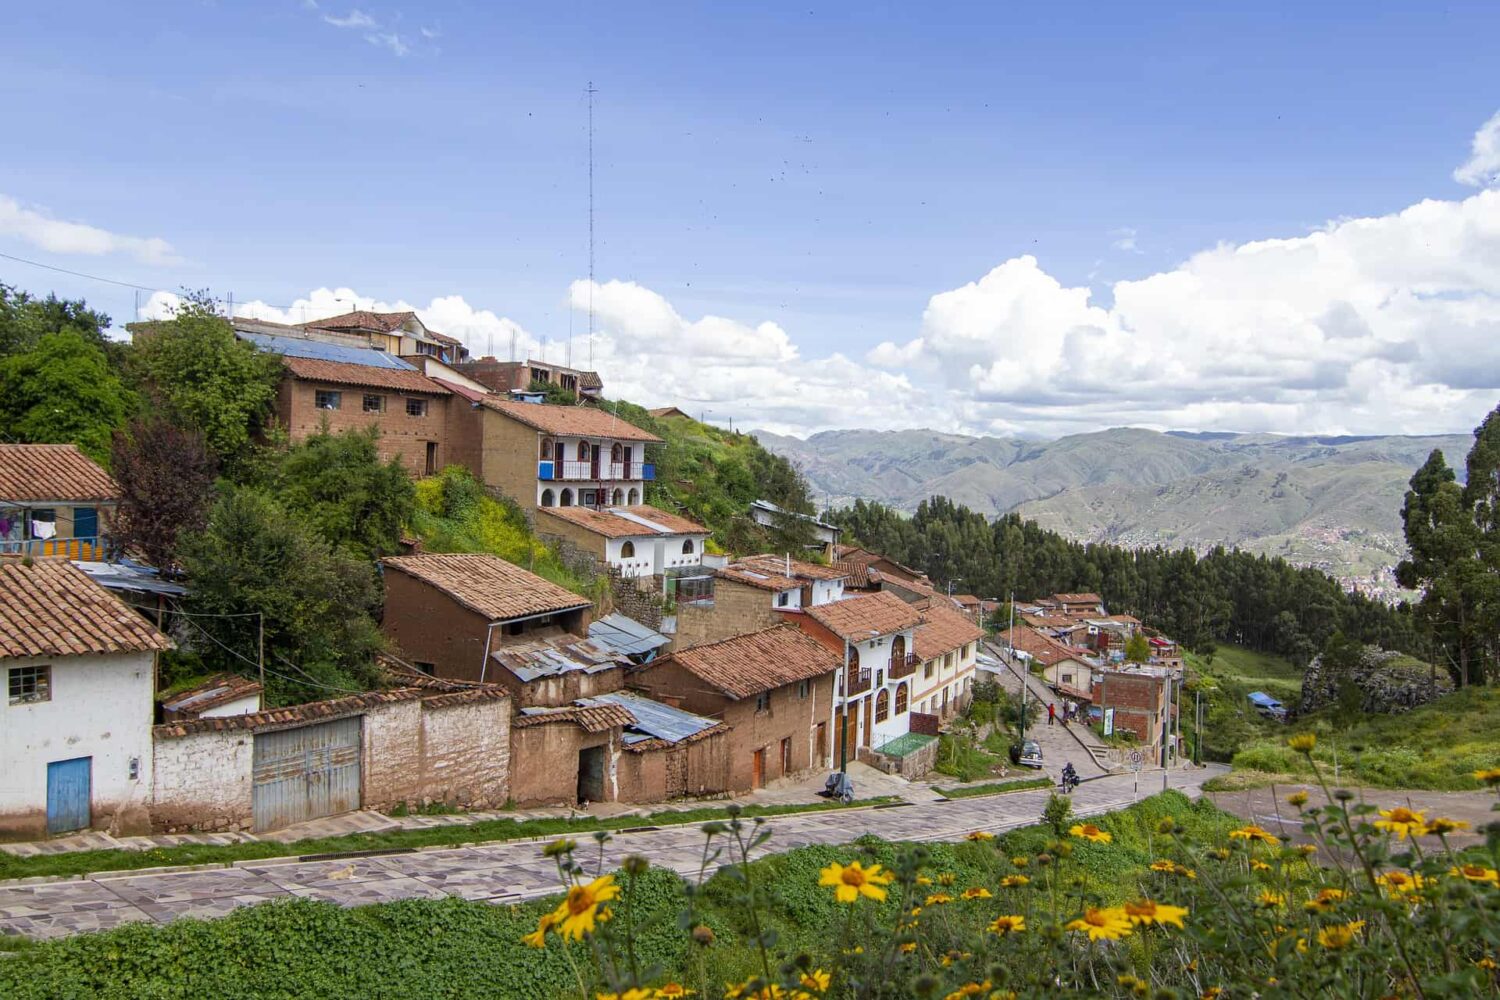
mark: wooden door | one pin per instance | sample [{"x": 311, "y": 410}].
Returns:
[
  {"x": 869, "y": 723},
  {"x": 786, "y": 756},
  {"x": 758, "y": 768}
]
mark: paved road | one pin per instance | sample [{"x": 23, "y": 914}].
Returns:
[
  {"x": 1268, "y": 807},
  {"x": 502, "y": 872},
  {"x": 1059, "y": 743}
]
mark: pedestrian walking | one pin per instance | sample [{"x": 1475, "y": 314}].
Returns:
[{"x": 1051, "y": 713}]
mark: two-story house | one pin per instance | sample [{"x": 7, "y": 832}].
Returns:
[
  {"x": 543, "y": 455},
  {"x": 947, "y": 646},
  {"x": 752, "y": 593},
  {"x": 54, "y": 500},
  {"x": 509, "y": 377},
  {"x": 75, "y": 727},
  {"x": 397, "y": 333},
  {"x": 635, "y": 541},
  {"x": 873, "y": 636}
]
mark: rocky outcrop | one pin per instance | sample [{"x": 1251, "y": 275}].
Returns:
[{"x": 1376, "y": 681}]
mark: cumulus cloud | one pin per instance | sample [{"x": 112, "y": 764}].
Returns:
[
  {"x": 1482, "y": 169},
  {"x": 58, "y": 236}
]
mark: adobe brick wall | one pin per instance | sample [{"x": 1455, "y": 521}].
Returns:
[
  {"x": 401, "y": 436},
  {"x": 546, "y": 763},
  {"x": 508, "y": 457},
  {"x": 500, "y": 376},
  {"x": 697, "y": 769},
  {"x": 429, "y": 627},
  {"x": 737, "y": 609},
  {"x": 558, "y": 690},
  {"x": 463, "y": 430},
  {"x": 582, "y": 540}
]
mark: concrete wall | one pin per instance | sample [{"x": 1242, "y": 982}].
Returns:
[
  {"x": 401, "y": 436},
  {"x": 100, "y": 707},
  {"x": 737, "y": 609},
  {"x": 443, "y": 749}
]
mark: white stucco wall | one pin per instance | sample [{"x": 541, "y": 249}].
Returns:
[
  {"x": 100, "y": 707},
  {"x": 793, "y": 599},
  {"x": 824, "y": 591},
  {"x": 645, "y": 561},
  {"x": 240, "y": 706},
  {"x": 638, "y": 564}
]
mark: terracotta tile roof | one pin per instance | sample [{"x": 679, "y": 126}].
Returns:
[
  {"x": 590, "y": 380},
  {"x": 657, "y": 743},
  {"x": 591, "y": 718},
  {"x": 362, "y": 319},
  {"x": 319, "y": 711},
  {"x": 571, "y": 421},
  {"x": 772, "y": 563},
  {"x": 487, "y": 584},
  {"x": 52, "y": 472},
  {"x": 942, "y": 631},
  {"x": 858, "y": 563},
  {"x": 365, "y": 376},
  {"x": 1042, "y": 648},
  {"x": 52, "y": 608},
  {"x": 1078, "y": 598},
  {"x": 967, "y": 600},
  {"x": 865, "y": 616},
  {"x": 611, "y": 525},
  {"x": 220, "y": 689},
  {"x": 748, "y": 664}
]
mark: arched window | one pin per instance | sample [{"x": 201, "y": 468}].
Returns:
[
  {"x": 687, "y": 547},
  {"x": 546, "y": 454},
  {"x": 614, "y": 453},
  {"x": 853, "y": 671},
  {"x": 898, "y": 651},
  {"x": 882, "y": 705},
  {"x": 583, "y": 451},
  {"x": 548, "y": 499},
  {"x": 633, "y": 497},
  {"x": 901, "y": 696},
  {"x": 627, "y": 550},
  {"x": 567, "y": 498},
  {"x": 618, "y": 498}
]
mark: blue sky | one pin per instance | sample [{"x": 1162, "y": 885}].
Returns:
[{"x": 815, "y": 177}]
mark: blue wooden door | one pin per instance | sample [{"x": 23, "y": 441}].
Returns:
[
  {"x": 69, "y": 784},
  {"x": 85, "y": 522}
]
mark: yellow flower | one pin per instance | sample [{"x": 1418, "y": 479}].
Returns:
[
  {"x": 1012, "y": 881},
  {"x": 1439, "y": 825},
  {"x": 976, "y": 892},
  {"x": 744, "y": 992},
  {"x": 979, "y": 835},
  {"x": 1489, "y": 775},
  {"x": 909, "y": 947},
  {"x": 923, "y": 880},
  {"x": 937, "y": 899},
  {"x": 1270, "y": 900},
  {"x": 1401, "y": 821},
  {"x": 1172, "y": 868},
  {"x": 1298, "y": 799},
  {"x": 1253, "y": 832},
  {"x": 536, "y": 939},
  {"x": 1486, "y": 963},
  {"x": 817, "y": 980},
  {"x": 1256, "y": 864},
  {"x": 1307, "y": 850},
  {"x": 1020, "y": 862},
  {"x": 634, "y": 993},
  {"x": 1400, "y": 883},
  {"x": 1110, "y": 924},
  {"x": 577, "y": 913},
  {"x": 1477, "y": 873},
  {"x": 672, "y": 991},
  {"x": 1324, "y": 901},
  {"x": 968, "y": 990},
  {"x": 1212, "y": 993},
  {"x": 1303, "y": 742},
  {"x": 947, "y": 879},
  {"x": 1146, "y": 911},
  {"x": 852, "y": 881},
  {"x": 955, "y": 956},
  {"x": 1220, "y": 853},
  {"x": 1340, "y": 935},
  {"x": 1134, "y": 984},
  {"x": 1089, "y": 831},
  {"x": 1009, "y": 924}
]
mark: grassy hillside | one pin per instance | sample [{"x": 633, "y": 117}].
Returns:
[{"x": 1225, "y": 682}]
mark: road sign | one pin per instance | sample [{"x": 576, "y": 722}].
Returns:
[
  {"x": 1136, "y": 760},
  {"x": 1109, "y": 722}
]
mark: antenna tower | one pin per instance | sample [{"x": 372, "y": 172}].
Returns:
[{"x": 591, "y": 93}]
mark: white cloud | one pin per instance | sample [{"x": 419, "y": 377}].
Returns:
[
  {"x": 1125, "y": 240},
  {"x": 356, "y": 18},
  {"x": 57, "y": 236},
  {"x": 374, "y": 32},
  {"x": 1482, "y": 169}
]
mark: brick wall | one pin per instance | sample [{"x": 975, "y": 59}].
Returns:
[
  {"x": 508, "y": 457},
  {"x": 580, "y": 539},
  {"x": 401, "y": 436},
  {"x": 737, "y": 609},
  {"x": 429, "y": 627},
  {"x": 560, "y": 689}
]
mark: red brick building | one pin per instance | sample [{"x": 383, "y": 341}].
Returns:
[{"x": 1139, "y": 699}]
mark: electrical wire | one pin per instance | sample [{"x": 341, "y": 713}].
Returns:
[
  {"x": 101, "y": 278},
  {"x": 275, "y": 673}
]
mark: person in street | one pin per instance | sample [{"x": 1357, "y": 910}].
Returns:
[
  {"x": 1069, "y": 777},
  {"x": 1051, "y": 713}
]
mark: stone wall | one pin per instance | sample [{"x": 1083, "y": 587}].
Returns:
[
  {"x": 634, "y": 598},
  {"x": 203, "y": 782},
  {"x": 1378, "y": 682},
  {"x": 736, "y": 610},
  {"x": 911, "y": 766}
]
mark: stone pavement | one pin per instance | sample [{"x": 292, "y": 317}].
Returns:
[
  {"x": 1059, "y": 743},
  {"x": 504, "y": 872}
]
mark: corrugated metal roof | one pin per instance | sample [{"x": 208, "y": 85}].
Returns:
[
  {"x": 128, "y": 576},
  {"x": 556, "y": 653},
  {"x": 624, "y": 635},
  {"x": 318, "y": 350},
  {"x": 654, "y": 719}
]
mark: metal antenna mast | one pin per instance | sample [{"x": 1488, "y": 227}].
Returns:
[{"x": 591, "y": 93}]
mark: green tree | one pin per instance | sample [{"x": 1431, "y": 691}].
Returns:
[
  {"x": 1137, "y": 649},
  {"x": 255, "y": 558},
  {"x": 63, "y": 391},
  {"x": 1482, "y": 497},
  {"x": 24, "y": 320},
  {"x": 339, "y": 486},
  {"x": 553, "y": 393},
  {"x": 204, "y": 377}
]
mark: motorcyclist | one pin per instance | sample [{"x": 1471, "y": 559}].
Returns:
[{"x": 1069, "y": 777}]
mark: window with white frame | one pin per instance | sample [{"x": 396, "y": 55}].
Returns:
[
  {"x": 28, "y": 685},
  {"x": 327, "y": 399}
]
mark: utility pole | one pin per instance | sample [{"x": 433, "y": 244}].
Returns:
[
  {"x": 844, "y": 717},
  {"x": 1198, "y": 728},
  {"x": 1166, "y": 733},
  {"x": 1010, "y": 638},
  {"x": 260, "y": 654}
]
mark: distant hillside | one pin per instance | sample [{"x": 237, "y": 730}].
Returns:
[{"x": 1331, "y": 502}]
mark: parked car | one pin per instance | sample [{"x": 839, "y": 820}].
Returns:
[
  {"x": 1267, "y": 707},
  {"x": 1026, "y": 754}
]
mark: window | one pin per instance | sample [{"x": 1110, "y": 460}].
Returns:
[
  {"x": 687, "y": 547},
  {"x": 549, "y": 498},
  {"x": 784, "y": 598},
  {"x": 927, "y": 669},
  {"x": 1067, "y": 678},
  {"x": 430, "y": 669},
  {"x": 879, "y": 677},
  {"x": 882, "y": 706},
  {"x": 617, "y": 498},
  {"x": 327, "y": 399},
  {"x": 583, "y": 451},
  {"x": 588, "y": 498},
  {"x": 30, "y": 684},
  {"x": 416, "y": 407},
  {"x": 901, "y": 696},
  {"x": 803, "y": 689},
  {"x": 763, "y": 701},
  {"x": 567, "y": 498},
  {"x": 627, "y": 550},
  {"x": 373, "y": 403},
  {"x": 614, "y": 453},
  {"x": 633, "y": 497},
  {"x": 432, "y": 458},
  {"x": 968, "y": 650},
  {"x": 546, "y": 452},
  {"x": 948, "y": 661}
]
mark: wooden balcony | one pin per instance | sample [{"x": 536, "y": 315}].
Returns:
[
  {"x": 903, "y": 666},
  {"x": 858, "y": 683},
  {"x": 91, "y": 548}
]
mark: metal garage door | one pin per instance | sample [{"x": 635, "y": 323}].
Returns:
[{"x": 305, "y": 773}]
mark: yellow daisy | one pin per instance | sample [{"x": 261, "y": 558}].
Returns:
[
  {"x": 1089, "y": 831},
  {"x": 976, "y": 892},
  {"x": 1477, "y": 873},
  {"x": 980, "y": 835},
  {"x": 1009, "y": 924},
  {"x": 1109, "y": 924},
  {"x": 579, "y": 911},
  {"x": 1439, "y": 825},
  {"x": 853, "y": 880},
  {"x": 1146, "y": 911},
  {"x": 1340, "y": 936},
  {"x": 1012, "y": 881},
  {"x": 1253, "y": 832},
  {"x": 1401, "y": 821}
]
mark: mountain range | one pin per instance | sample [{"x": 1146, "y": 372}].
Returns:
[{"x": 1329, "y": 502}]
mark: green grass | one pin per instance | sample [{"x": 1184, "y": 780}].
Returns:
[
  {"x": 1230, "y": 724},
  {"x": 1436, "y": 746},
  {"x": 959, "y": 759},
  {"x": 994, "y": 788},
  {"x": 454, "y": 948},
  {"x": 84, "y": 862}
]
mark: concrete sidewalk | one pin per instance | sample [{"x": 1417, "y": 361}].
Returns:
[{"x": 503, "y": 872}]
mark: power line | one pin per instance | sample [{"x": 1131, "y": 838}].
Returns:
[
  {"x": 236, "y": 653},
  {"x": 108, "y": 281}
]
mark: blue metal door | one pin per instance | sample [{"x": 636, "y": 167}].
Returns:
[
  {"x": 85, "y": 522},
  {"x": 69, "y": 784}
]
